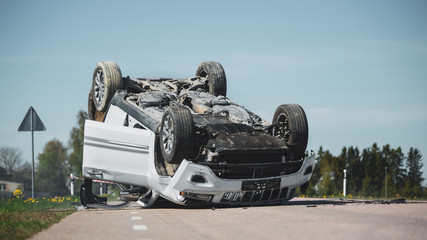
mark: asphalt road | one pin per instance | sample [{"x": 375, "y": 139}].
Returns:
[{"x": 299, "y": 219}]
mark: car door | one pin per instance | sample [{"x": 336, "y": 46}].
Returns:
[{"x": 117, "y": 153}]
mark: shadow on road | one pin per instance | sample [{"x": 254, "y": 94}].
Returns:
[
  {"x": 164, "y": 204},
  {"x": 312, "y": 202},
  {"x": 308, "y": 202}
]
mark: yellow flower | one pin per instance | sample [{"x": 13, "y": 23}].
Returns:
[{"x": 17, "y": 193}]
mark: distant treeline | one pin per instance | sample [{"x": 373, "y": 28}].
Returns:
[{"x": 366, "y": 171}]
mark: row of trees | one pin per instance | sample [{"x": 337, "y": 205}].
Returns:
[{"x": 367, "y": 170}]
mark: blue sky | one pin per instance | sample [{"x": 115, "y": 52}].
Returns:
[{"x": 358, "y": 68}]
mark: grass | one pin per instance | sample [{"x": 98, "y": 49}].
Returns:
[{"x": 20, "y": 217}]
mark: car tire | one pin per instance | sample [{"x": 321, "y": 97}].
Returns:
[
  {"x": 176, "y": 134},
  {"x": 83, "y": 198},
  {"x": 106, "y": 80},
  {"x": 214, "y": 72},
  {"x": 290, "y": 124}
]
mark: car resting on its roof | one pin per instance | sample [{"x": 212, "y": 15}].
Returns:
[{"x": 185, "y": 141}]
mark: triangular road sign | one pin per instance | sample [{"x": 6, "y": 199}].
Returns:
[{"x": 35, "y": 124}]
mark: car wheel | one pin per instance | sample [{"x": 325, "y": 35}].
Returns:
[
  {"x": 176, "y": 134},
  {"x": 107, "y": 79},
  {"x": 290, "y": 124},
  {"x": 83, "y": 198},
  {"x": 215, "y": 74}
]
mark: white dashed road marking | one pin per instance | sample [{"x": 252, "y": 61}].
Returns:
[
  {"x": 139, "y": 227},
  {"x": 136, "y": 218},
  {"x": 133, "y": 212}
]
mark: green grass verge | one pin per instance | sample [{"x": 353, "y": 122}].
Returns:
[{"x": 21, "y": 218}]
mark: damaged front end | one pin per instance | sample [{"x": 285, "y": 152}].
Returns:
[
  {"x": 239, "y": 184},
  {"x": 241, "y": 166}
]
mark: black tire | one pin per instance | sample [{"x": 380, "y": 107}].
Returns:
[
  {"x": 83, "y": 198},
  {"x": 163, "y": 168},
  {"x": 214, "y": 72},
  {"x": 86, "y": 192},
  {"x": 106, "y": 80},
  {"x": 291, "y": 125},
  {"x": 177, "y": 135}
]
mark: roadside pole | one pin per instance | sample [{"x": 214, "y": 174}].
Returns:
[
  {"x": 345, "y": 182},
  {"x": 385, "y": 183},
  {"x": 31, "y": 123},
  {"x": 72, "y": 184},
  {"x": 32, "y": 155}
]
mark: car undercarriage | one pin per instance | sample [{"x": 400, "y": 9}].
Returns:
[{"x": 190, "y": 123}]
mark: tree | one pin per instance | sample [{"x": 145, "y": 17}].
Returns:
[
  {"x": 414, "y": 164},
  {"x": 367, "y": 181},
  {"x": 366, "y": 172},
  {"x": 22, "y": 175},
  {"x": 10, "y": 158},
  {"x": 396, "y": 173},
  {"x": 75, "y": 143},
  {"x": 316, "y": 176},
  {"x": 414, "y": 178},
  {"x": 354, "y": 170},
  {"x": 51, "y": 171},
  {"x": 325, "y": 184}
]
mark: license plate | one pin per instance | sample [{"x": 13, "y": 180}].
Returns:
[{"x": 261, "y": 185}]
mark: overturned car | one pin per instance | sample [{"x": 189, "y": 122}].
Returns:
[{"x": 185, "y": 141}]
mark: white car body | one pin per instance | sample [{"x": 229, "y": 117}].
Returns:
[
  {"x": 185, "y": 141},
  {"x": 121, "y": 154}
]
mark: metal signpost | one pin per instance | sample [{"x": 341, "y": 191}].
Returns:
[
  {"x": 385, "y": 183},
  {"x": 32, "y": 122},
  {"x": 72, "y": 184},
  {"x": 345, "y": 183}
]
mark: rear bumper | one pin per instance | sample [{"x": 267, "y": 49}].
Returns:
[{"x": 194, "y": 181}]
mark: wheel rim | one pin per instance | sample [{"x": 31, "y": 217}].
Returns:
[
  {"x": 168, "y": 134},
  {"x": 203, "y": 73},
  {"x": 281, "y": 129},
  {"x": 99, "y": 88}
]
